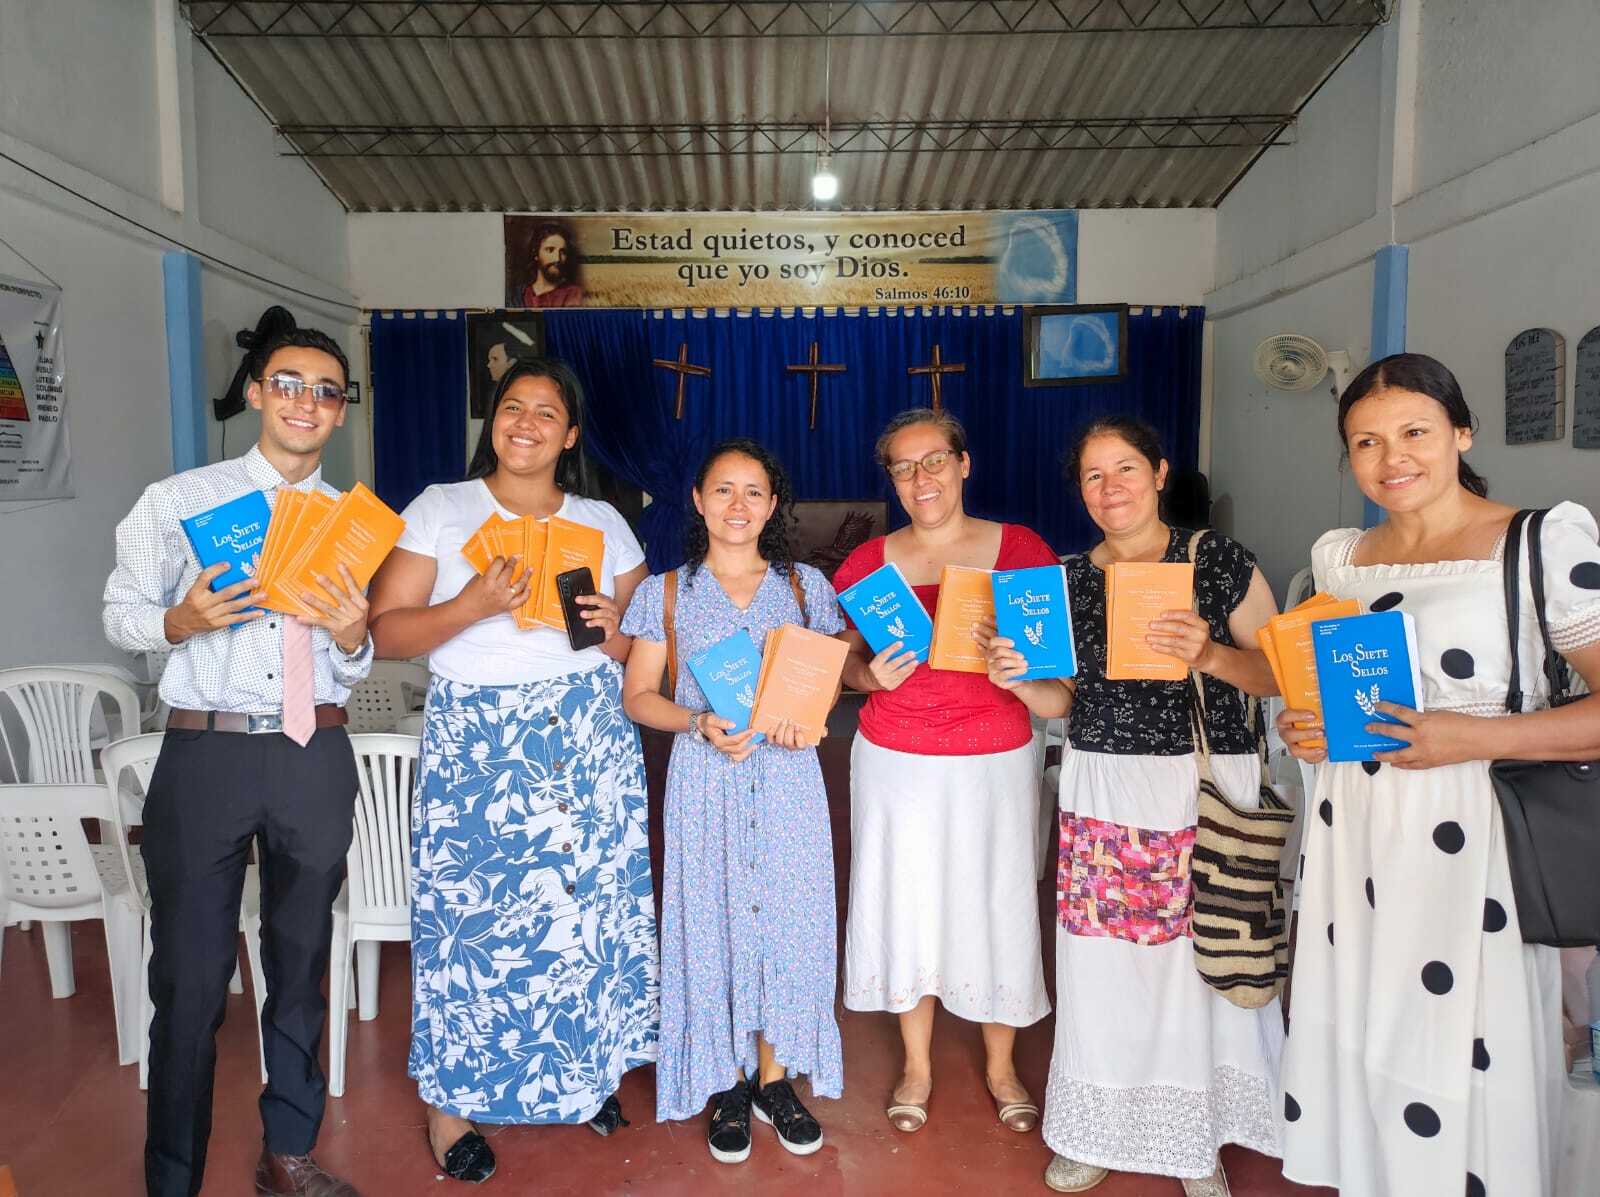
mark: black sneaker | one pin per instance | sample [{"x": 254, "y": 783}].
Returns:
[
  {"x": 777, "y": 1105},
  {"x": 728, "y": 1136},
  {"x": 609, "y": 1118}
]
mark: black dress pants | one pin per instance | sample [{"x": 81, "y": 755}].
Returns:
[{"x": 211, "y": 796}]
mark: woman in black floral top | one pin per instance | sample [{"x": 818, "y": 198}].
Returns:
[{"x": 1152, "y": 1071}]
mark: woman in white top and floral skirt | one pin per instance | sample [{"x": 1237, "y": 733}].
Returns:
[{"x": 533, "y": 917}]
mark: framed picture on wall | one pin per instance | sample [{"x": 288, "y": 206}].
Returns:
[
  {"x": 495, "y": 341},
  {"x": 1068, "y": 345}
]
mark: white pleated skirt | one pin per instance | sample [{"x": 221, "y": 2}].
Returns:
[{"x": 943, "y": 899}]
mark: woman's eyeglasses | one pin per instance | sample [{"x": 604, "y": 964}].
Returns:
[
  {"x": 292, "y": 386},
  {"x": 901, "y": 471}
]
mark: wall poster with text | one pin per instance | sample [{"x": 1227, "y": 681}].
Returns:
[
  {"x": 34, "y": 456},
  {"x": 790, "y": 259}
]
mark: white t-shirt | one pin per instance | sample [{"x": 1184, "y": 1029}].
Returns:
[{"x": 494, "y": 651}]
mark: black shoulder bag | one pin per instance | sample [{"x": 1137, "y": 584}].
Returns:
[{"x": 1551, "y": 809}]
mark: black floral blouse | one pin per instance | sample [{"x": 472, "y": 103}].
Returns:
[{"x": 1144, "y": 718}]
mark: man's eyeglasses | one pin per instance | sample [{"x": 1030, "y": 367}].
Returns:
[
  {"x": 901, "y": 471},
  {"x": 292, "y": 386}
]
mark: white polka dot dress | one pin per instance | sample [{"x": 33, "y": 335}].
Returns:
[{"x": 1424, "y": 1052}]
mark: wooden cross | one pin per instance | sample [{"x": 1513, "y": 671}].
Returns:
[
  {"x": 816, "y": 370},
  {"x": 935, "y": 374},
  {"x": 682, "y": 369}
]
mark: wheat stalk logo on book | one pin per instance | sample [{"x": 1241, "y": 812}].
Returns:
[
  {"x": 746, "y": 697},
  {"x": 1368, "y": 702},
  {"x": 1035, "y": 633},
  {"x": 897, "y": 628}
]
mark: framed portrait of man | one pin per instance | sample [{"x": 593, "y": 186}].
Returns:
[
  {"x": 544, "y": 262},
  {"x": 495, "y": 342}
]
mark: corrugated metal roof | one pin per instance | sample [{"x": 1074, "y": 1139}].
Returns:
[{"x": 397, "y": 121}]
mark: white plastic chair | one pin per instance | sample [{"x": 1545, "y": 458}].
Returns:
[
  {"x": 50, "y": 873},
  {"x": 379, "y": 888},
  {"x": 391, "y": 690},
  {"x": 1301, "y": 587},
  {"x": 48, "y": 717},
  {"x": 1047, "y": 734},
  {"x": 132, "y": 761}
]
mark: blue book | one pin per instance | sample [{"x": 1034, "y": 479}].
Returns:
[
  {"x": 728, "y": 672},
  {"x": 1363, "y": 660},
  {"x": 232, "y": 532},
  {"x": 884, "y": 609},
  {"x": 1031, "y": 611}
]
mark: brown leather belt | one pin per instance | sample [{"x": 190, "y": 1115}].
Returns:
[{"x": 328, "y": 715}]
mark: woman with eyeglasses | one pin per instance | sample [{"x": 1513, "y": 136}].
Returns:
[
  {"x": 533, "y": 931},
  {"x": 943, "y": 799}
]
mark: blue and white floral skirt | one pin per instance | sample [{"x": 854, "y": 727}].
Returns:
[{"x": 533, "y": 928}]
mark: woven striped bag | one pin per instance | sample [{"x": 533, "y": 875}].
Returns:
[{"x": 1239, "y": 918}]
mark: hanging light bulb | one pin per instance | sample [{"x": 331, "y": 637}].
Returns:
[{"x": 824, "y": 184}]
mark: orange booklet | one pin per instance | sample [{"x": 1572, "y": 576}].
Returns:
[
  {"x": 483, "y": 546},
  {"x": 799, "y": 680},
  {"x": 567, "y": 546},
  {"x": 1290, "y": 637},
  {"x": 301, "y": 514},
  {"x": 358, "y": 534},
  {"x": 528, "y": 540},
  {"x": 530, "y": 543},
  {"x": 283, "y": 510},
  {"x": 966, "y": 597},
  {"x": 1136, "y": 593}
]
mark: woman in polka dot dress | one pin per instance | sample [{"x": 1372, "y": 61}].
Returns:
[{"x": 1424, "y": 1051}]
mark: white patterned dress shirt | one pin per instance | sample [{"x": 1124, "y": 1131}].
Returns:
[{"x": 238, "y": 668}]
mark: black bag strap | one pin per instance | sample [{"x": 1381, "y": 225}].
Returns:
[
  {"x": 1555, "y": 665},
  {"x": 1512, "y": 575}
]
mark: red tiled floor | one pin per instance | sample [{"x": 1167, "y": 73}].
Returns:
[{"x": 72, "y": 1121}]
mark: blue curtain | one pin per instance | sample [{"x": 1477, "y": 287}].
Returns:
[
  {"x": 1017, "y": 435},
  {"x": 419, "y": 402}
]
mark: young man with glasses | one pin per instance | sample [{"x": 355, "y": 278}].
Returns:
[{"x": 255, "y": 754}]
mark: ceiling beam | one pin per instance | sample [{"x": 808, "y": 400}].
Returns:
[
  {"x": 498, "y": 20},
  {"x": 782, "y": 137}
]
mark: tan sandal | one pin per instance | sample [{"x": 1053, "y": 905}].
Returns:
[
  {"x": 1019, "y": 1116},
  {"x": 907, "y": 1117}
]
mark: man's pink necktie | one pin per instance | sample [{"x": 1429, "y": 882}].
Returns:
[{"x": 299, "y": 685}]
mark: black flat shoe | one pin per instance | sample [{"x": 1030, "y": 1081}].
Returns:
[
  {"x": 470, "y": 1159},
  {"x": 609, "y": 1118}
]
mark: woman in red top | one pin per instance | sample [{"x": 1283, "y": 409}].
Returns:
[{"x": 943, "y": 798}]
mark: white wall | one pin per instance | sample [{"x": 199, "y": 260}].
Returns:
[
  {"x": 1493, "y": 77},
  {"x": 1477, "y": 285},
  {"x": 81, "y": 105},
  {"x": 1464, "y": 129},
  {"x": 1321, "y": 184},
  {"x": 451, "y": 260},
  {"x": 78, "y": 84},
  {"x": 1276, "y": 479}
]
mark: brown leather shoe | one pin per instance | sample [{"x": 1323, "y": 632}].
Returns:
[{"x": 297, "y": 1176}]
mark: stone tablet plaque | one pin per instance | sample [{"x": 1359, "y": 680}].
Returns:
[
  {"x": 1586, "y": 393},
  {"x": 1536, "y": 408}
]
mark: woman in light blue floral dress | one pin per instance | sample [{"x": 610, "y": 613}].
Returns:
[
  {"x": 748, "y": 927},
  {"x": 532, "y": 914}
]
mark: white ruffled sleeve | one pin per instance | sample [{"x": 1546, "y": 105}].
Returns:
[
  {"x": 1571, "y": 577},
  {"x": 1331, "y": 550}
]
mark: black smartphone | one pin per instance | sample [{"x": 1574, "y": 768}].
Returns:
[{"x": 568, "y": 587}]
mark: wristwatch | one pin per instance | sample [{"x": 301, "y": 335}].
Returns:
[{"x": 695, "y": 731}]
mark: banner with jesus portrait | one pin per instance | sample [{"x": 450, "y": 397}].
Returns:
[{"x": 790, "y": 259}]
